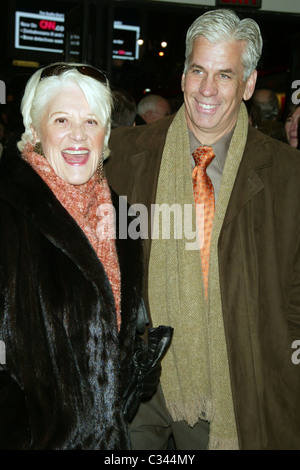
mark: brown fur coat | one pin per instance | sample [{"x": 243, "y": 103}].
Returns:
[{"x": 66, "y": 365}]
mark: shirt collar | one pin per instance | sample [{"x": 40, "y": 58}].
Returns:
[{"x": 220, "y": 147}]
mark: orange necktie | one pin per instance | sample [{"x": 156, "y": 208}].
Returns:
[{"x": 204, "y": 195}]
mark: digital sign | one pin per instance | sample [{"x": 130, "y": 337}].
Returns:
[
  {"x": 39, "y": 31},
  {"x": 125, "y": 39},
  {"x": 45, "y": 32},
  {"x": 240, "y": 3}
]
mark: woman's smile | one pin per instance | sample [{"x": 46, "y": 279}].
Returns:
[{"x": 76, "y": 157}]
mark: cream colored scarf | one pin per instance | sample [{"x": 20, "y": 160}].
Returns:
[{"x": 195, "y": 376}]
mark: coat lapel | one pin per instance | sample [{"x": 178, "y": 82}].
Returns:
[
  {"x": 248, "y": 182},
  {"x": 146, "y": 162}
]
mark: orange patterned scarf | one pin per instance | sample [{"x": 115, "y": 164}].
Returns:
[{"x": 87, "y": 204}]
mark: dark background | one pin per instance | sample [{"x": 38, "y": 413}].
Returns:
[{"x": 93, "y": 20}]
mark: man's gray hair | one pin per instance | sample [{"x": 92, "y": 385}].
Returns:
[{"x": 224, "y": 25}]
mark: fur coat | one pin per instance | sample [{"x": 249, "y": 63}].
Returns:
[{"x": 66, "y": 365}]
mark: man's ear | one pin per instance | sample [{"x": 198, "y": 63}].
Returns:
[
  {"x": 182, "y": 82},
  {"x": 250, "y": 85}
]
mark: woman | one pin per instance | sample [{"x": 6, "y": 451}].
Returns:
[
  {"x": 291, "y": 125},
  {"x": 69, "y": 292}
]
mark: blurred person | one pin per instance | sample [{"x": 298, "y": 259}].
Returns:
[
  {"x": 2, "y": 131},
  {"x": 298, "y": 136},
  {"x": 268, "y": 103},
  {"x": 152, "y": 108},
  {"x": 292, "y": 124},
  {"x": 254, "y": 113},
  {"x": 70, "y": 290},
  {"x": 230, "y": 379},
  {"x": 124, "y": 109},
  {"x": 14, "y": 130},
  {"x": 3, "y": 134},
  {"x": 2, "y": 137}
]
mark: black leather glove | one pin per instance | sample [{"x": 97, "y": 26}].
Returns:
[{"x": 146, "y": 368}]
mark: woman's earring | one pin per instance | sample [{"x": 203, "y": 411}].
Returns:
[
  {"x": 38, "y": 148},
  {"x": 100, "y": 169}
]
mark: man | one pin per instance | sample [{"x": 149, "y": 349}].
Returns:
[
  {"x": 230, "y": 379},
  {"x": 124, "y": 109},
  {"x": 152, "y": 108},
  {"x": 268, "y": 105}
]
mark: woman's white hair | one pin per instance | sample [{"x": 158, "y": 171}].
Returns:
[
  {"x": 224, "y": 25},
  {"x": 38, "y": 93}
]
